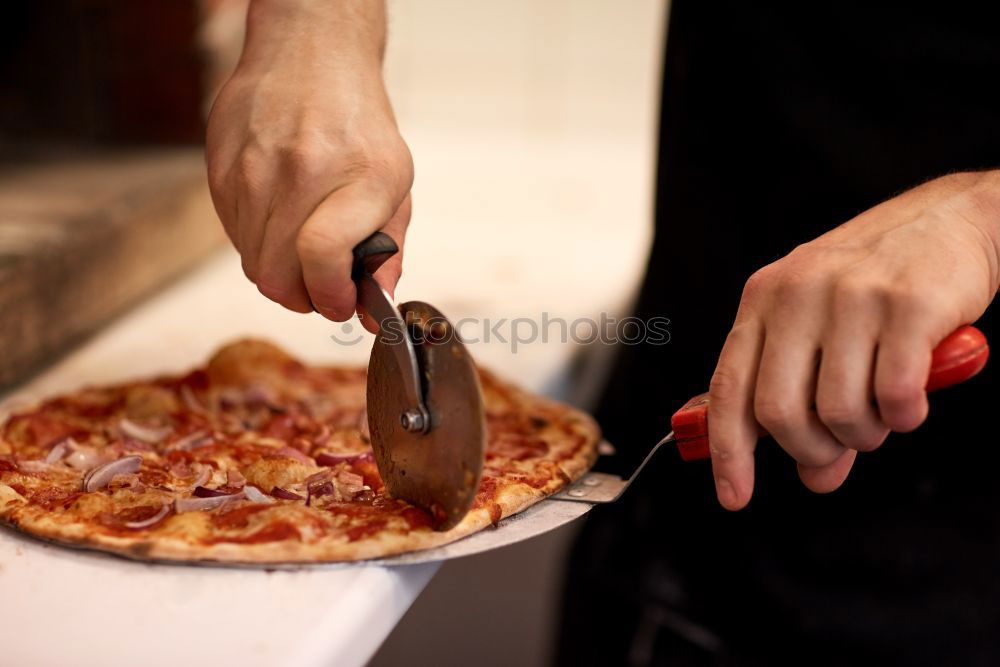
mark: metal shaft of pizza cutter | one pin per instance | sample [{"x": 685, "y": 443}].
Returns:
[{"x": 368, "y": 256}]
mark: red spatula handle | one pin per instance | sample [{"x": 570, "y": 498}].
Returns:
[{"x": 956, "y": 359}]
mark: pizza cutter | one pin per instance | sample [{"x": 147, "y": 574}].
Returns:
[
  {"x": 958, "y": 357},
  {"x": 425, "y": 406}
]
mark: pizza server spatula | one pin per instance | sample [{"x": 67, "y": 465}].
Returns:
[
  {"x": 961, "y": 355},
  {"x": 425, "y": 406}
]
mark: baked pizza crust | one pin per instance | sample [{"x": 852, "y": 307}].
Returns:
[{"x": 569, "y": 435}]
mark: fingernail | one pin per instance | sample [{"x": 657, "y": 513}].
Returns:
[{"x": 726, "y": 492}]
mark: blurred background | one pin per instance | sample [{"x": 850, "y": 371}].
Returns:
[{"x": 532, "y": 126}]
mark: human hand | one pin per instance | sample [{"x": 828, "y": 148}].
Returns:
[
  {"x": 831, "y": 345},
  {"x": 304, "y": 156}
]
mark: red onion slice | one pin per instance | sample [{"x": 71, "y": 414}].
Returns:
[
  {"x": 325, "y": 459},
  {"x": 143, "y": 433},
  {"x": 99, "y": 477},
  {"x": 59, "y": 451},
  {"x": 191, "y": 401},
  {"x": 199, "y": 504},
  {"x": 293, "y": 453},
  {"x": 84, "y": 458},
  {"x": 151, "y": 521},
  {"x": 203, "y": 476},
  {"x": 204, "y": 492},
  {"x": 284, "y": 494},
  {"x": 350, "y": 478},
  {"x": 254, "y": 495},
  {"x": 33, "y": 466},
  {"x": 191, "y": 441},
  {"x": 321, "y": 476}
]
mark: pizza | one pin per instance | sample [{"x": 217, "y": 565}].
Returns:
[{"x": 257, "y": 458}]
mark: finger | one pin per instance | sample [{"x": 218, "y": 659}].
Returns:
[
  {"x": 326, "y": 240},
  {"x": 731, "y": 426},
  {"x": 223, "y": 198},
  {"x": 828, "y": 478},
  {"x": 279, "y": 271},
  {"x": 902, "y": 364},
  {"x": 784, "y": 396},
  {"x": 388, "y": 274},
  {"x": 252, "y": 186},
  {"x": 845, "y": 394}
]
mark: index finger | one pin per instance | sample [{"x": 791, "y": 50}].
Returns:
[
  {"x": 731, "y": 424},
  {"x": 326, "y": 241}
]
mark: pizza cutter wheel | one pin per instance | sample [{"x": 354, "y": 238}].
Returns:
[{"x": 425, "y": 406}]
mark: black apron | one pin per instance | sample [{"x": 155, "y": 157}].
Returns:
[{"x": 779, "y": 123}]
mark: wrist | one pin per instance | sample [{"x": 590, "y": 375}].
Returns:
[
  {"x": 348, "y": 32},
  {"x": 980, "y": 206}
]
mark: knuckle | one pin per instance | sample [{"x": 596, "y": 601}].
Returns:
[
  {"x": 898, "y": 395},
  {"x": 249, "y": 171},
  {"x": 866, "y": 442},
  {"x": 249, "y": 268},
  {"x": 849, "y": 293},
  {"x": 817, "y": 457},
  {"x": 304, "y": 159},
  {"x": 755, "y": 285},
  {"x": 795, "y": 283},
  {"x": 903, "y": 298},
  {"x": 724, "y": 385},
  {"x": 773, "y": 413},
  {"x": 839, "y": 413},
  {"x": 217, "y": 179}
]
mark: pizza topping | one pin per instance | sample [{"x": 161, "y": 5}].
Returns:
[
  {"x": 59, "y": 451},
  {"x": 235, "y": 478},
  {"x": 258, "y": 394},
  {"x": 293, "y": 453},
  {"x": 318, "y": 490},
  {"x": 204, "y": 492},
  {"x": 46, "y": 431},
  {"x": 516, "y": 447},
  {"x": 321, "y": 476},
  {"x": 139, "y": 521},
  {"x": 143, "y": 433},
  {"x": 191, "y": 401},
  {"x": 99, "y": 477},
  {"x": 272, "y": 471},
  {"x": 349, "y": 483},
  {"x": 83, "y": 458},
  {"x": 33, "y": 466},
  {"x": 191, "y": 441},
  {"x": 52, "y": 497},
  {"x": 126, "y": 481},
  {"x": 254, "y": 495},
  {"x": 279, "y": 492},
  {"x": 199, "y": 504},
  {"x": 325, "y": 459},
  {"x": 274, "y": 532},
  {"x": 236, "y": 518}
]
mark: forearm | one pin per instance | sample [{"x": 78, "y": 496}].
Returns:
[{"x": 345, "y": 32}]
